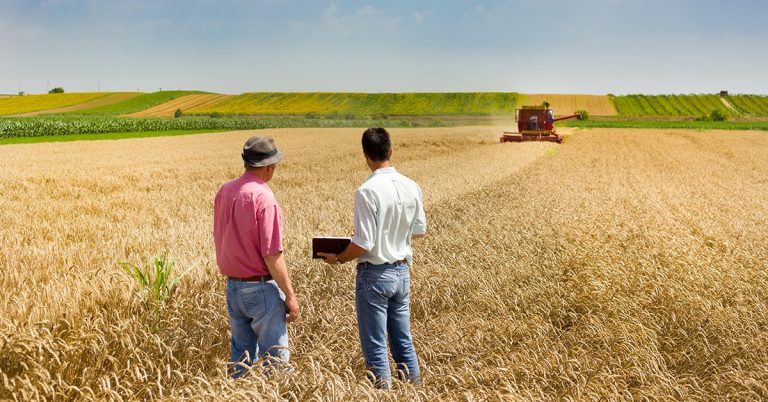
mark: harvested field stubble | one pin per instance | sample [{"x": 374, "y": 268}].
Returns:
[
  {"x": 622, "y": 264},
  {"x": 183, "y": 103}
]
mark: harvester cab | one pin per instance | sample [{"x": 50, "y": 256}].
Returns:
[{"x": 535, "y": 123}]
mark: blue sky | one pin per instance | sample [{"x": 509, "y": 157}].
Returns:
[{"x": 532, "y": 46}]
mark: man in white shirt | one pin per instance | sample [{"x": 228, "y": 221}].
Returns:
[{"x": 389, "y": 212}]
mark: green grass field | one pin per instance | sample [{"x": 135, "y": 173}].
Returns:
[
  {"x": 668, "y": 124},
  {"x": 668, "y": 105},
  {"x": 100, "y": 136},
  {"x": 55, "y": 126},
  {"x": 690, "y": 105},
  {"x": 364, "y": 104},
  {"x": 344, "y": 105},
  {"x": 750, "y": 105},
  {"x": 136, "y": 104},
  {"x": 477, "y": 103}
]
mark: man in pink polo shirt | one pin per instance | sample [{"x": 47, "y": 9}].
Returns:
[{"x": 247, "y": 230}]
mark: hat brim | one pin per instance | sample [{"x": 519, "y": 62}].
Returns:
[{"x": 266, "y": 162}]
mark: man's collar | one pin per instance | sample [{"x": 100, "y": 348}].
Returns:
[
  {"x": 389, "y": 169},
  {"x": 252, "y": 177}
]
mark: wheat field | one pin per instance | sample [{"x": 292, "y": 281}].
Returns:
[
  {"x": 183, "y": 103},
  {"x": 564, "y": 104},
  {"x": 108, "y": 100},
  {"x": 620, "y": 265},
  {"x": 15, "y": 105}
]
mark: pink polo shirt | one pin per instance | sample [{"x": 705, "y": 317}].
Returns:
[{"x": 247, "y": 225}]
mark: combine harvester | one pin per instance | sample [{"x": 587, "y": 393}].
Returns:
[{"x": 533, "y": 125}]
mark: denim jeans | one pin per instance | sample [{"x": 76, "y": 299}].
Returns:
[
  {"x": 257, "y": 320},
  {"x": 382, "y": 300}
]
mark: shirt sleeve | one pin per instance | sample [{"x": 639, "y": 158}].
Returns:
[
  {"x": 215, "y": 213},
  {"x": 365, "y": 220},
  {"x": 420, "y": 224},
  {"x": 269, "y": 226}
]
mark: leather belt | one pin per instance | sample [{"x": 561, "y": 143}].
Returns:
[
  {"x": 257, "y": 278},
  {"x": 398, "y": 262}
]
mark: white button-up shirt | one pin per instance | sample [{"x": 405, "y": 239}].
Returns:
[{"x": 389, "y": 210}]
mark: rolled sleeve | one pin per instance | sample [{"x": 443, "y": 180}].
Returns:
[
  {"x": 269, "y": 226},
  {"x": 365, "y": 221}
]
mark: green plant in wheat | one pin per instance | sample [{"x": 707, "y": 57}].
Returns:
[{"x": 154, "y": 279}]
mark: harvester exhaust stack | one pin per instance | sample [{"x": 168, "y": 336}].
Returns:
[{"x": 535, "y": 123}]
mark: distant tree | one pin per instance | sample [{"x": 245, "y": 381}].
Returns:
[
  {"x": 178, "y": 113},
  {"x": 717, "y": 115},
  {"x": 714, "y": 115},
  {"x": 22, "y": 93},
  {"x": 57, "y": 90}
]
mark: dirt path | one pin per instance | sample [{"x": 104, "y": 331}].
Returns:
[
  {"x": 107, "y": 100},
  {"x": 184, "y": 103},
  {"x": 729, "y": 106}
]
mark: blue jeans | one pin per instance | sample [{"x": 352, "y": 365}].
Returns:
[
  {"x": 257, "y": 319},
  {"x": 382, "y": 300}
]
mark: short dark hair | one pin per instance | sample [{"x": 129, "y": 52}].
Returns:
[{"x": 376, "y": 144}]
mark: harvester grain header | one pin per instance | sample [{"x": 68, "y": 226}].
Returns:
[{"x": 535, "y": 123}]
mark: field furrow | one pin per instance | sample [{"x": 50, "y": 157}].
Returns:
[{"x": 185, "y": 103}]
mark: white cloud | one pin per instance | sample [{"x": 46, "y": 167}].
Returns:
[
  {"x": 420, "y": 16},
  {"x": 362, "y": 21},
  {"x": 331, "y": 11},
  {"x": 368, "y": 11},
  {"x": 53, "y": 3},
  {"x": 477, "y": 11},
  {"x": 155, "y": 24}
]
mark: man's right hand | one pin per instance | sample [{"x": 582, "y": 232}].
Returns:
[
  {"x": 279, "y": 272},
  {"x": 329, "y": 258},
  {"x": 291, "y": 309}
]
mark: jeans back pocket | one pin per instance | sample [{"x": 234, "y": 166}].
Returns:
[
  {"x": 380, "y": 290},
  {"x": 254, "y": 301}
]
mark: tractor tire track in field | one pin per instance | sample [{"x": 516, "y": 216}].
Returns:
[
  {"x": 729, "y": 106},
  {"x": 184, "y": 103}
]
